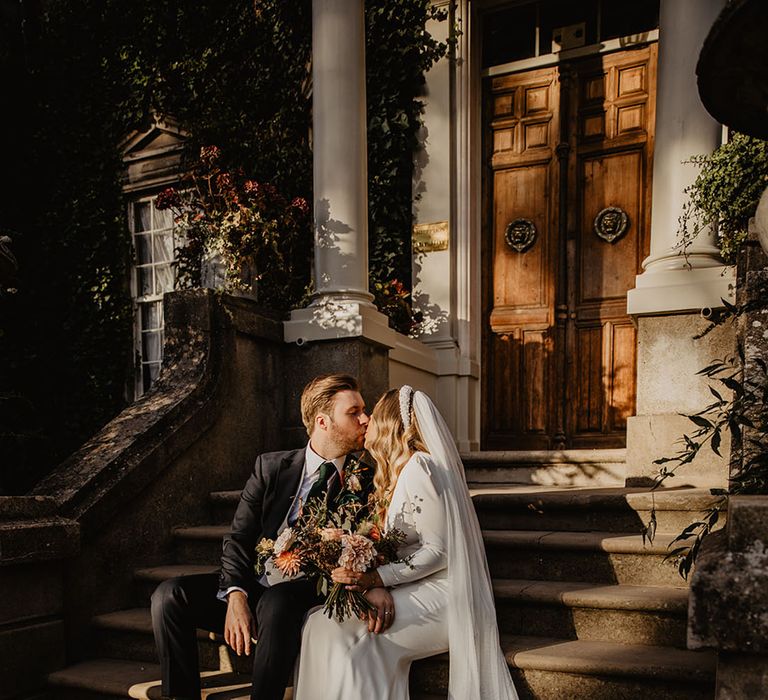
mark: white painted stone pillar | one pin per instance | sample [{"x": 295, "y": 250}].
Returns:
[
  {"x": 341, "y": 306},
  {"x": 672, "y": 282}
]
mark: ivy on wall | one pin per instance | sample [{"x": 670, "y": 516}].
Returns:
[
  {"x": 399, "y": 51},
  {"x": 726, "y": 192},
  {"x": 234, "y": 73}
]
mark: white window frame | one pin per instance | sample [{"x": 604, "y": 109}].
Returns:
[{"x": 151, "y": 366}]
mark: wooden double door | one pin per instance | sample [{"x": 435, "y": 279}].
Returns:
[{"x": 567, "y": 198}]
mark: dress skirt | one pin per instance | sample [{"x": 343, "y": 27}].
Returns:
[{"x": 344, "y": 661}]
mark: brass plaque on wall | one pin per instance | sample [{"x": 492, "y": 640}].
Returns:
[{"x": 428, "y": 238}]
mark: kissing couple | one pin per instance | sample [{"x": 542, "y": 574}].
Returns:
[{"x": 435, "y": 597}]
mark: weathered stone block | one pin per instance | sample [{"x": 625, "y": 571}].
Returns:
[
  {"x": 650, "y": 437},
  {"x": 741, "y": 676},
  {"x": 34, "y": 540},
  {"x": 728, "y": 608},
  {"x": 747, "y": 522},
  {"x": 30, "y": 591},
  {"x": 27, "y": 654}
]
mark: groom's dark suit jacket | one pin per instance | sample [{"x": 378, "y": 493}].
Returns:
[{"x": 263, "y": 506}]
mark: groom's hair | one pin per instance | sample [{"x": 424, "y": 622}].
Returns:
[{"x": 319, "y": 394}]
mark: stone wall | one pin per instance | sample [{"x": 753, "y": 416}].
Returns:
[
  {"x": 35, "y": 544},
  {"x": 217, "y": 404},
  {"x": 729, "y": 590},
  {"x": 229, "y": 390}
]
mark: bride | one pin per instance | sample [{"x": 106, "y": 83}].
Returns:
[{"x": 441, "y": 592}]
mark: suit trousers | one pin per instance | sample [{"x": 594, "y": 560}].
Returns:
[{"x": 182, "y": 605}]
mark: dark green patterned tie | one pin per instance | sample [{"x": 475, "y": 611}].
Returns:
[{"x": 320, "y": 486}]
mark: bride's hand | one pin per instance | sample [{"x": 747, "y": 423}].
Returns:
[
  {"x": 380, "y": 619},
  {"x": 356, "y": 580}
]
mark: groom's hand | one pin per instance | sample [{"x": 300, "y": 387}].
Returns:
[
  {"x": 380, "y": 619},
  {"x": 239, "y": 625}
]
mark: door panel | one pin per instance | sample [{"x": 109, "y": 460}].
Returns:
[
  {"x": 565, "y": 145},
  {"x": 519, "y": 349}
]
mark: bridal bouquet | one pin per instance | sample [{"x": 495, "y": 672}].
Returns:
[{"x": 325, "y": 538}]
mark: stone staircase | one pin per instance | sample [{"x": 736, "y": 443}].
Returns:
[{"x": 586, "y": 608}]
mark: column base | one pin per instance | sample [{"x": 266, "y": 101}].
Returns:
[
  {"x": 333, "y": 319},
  {"x": 675, "y": 291},
  {"x": 651, "y": 437}
]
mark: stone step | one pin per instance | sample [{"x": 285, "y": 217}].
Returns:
[
  {"x": 584, "y": 509},
  {"x": 511, "y": 507},
  {"x": 598, "y": 557},
  {"x": 545, "y": 669},
  {"x": 127, "y": 635},
  {"x": 107, "y": 679},
  {"x": 593, "y": 557},
  {"x": 200, "y": 544},
  {"x": 547, "y": 467},
  {"x": 102, "y": 679},
  {"x": 223, "y": 505},
  {"x": 148, "y": 579},
  {"x": 624, "y": 614}
]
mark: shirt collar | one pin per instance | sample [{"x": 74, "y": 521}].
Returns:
[{"x": 314, "y": 460}]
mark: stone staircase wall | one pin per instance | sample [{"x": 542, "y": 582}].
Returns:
[
  {"x": 34, "y": 546},
  {"x": 229, "y": 390},
  {"x": 216, "y": 405}
]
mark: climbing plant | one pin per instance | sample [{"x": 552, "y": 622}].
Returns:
[
  {"x": 725, "y": 193},
  {"x": 399, "y": 51},
  {"x": 235, "y": 73}
]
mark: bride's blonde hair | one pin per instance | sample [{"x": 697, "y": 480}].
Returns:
[{"x": 392, "y": 447}]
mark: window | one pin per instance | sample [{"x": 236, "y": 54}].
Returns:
[
  {"x": 154, "y": 244},
  {"x": 531, "y": 28}
]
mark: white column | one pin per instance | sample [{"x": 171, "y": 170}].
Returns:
[
  {"x": 341, "y": 306},
  {"x": 672, "y": 282}
]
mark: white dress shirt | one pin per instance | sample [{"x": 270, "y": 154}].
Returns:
[{"x": 312, "y": 462}]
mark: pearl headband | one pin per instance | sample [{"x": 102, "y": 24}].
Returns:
[{"x": 406, "y": 401}]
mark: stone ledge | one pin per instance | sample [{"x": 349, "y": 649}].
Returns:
[
  {"x": 132, "y": 448},
  {"x": 26, "y": 542},
  {"x": 26, "y": 507}
]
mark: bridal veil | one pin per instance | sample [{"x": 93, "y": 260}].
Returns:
[{"x": 478, "y": 668}]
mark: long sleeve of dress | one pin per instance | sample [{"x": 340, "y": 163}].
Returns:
[{"x": 418, "y": 510}]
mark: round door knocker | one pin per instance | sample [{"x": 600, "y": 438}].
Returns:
[
  {"x": 520, "y": 234},
  {"x": 611, "y": 224}
]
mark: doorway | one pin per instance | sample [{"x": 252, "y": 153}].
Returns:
[{"x": 567, "y": 185}]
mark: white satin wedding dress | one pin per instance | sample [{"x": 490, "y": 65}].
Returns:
[
  {"x": 343, "y": 661},
  {"x": 443, "y": 594}
]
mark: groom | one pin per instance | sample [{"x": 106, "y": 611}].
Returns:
[{"x": 234, "y": 601}]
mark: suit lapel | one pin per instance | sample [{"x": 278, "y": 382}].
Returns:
[{"x": 288, "y": 480}]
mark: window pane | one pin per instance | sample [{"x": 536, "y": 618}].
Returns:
[
  {"x": 163, "y": 219},
  {"x": 150, "y": 372},
  {"x": 163, "y": 279},
  {"x": 151, "y": 315},
  {"x": 509, "y": 35},
  {"x": 144, "y": 281},
  {"x": 141, "y": 216},
  {"x": 563, "y": 13},
  {"x": 162, "y": 244},
  {"x": 625, "y": 19},
  {"x": 151, "y": 346},
  {"x": 143, "y": 251}
]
